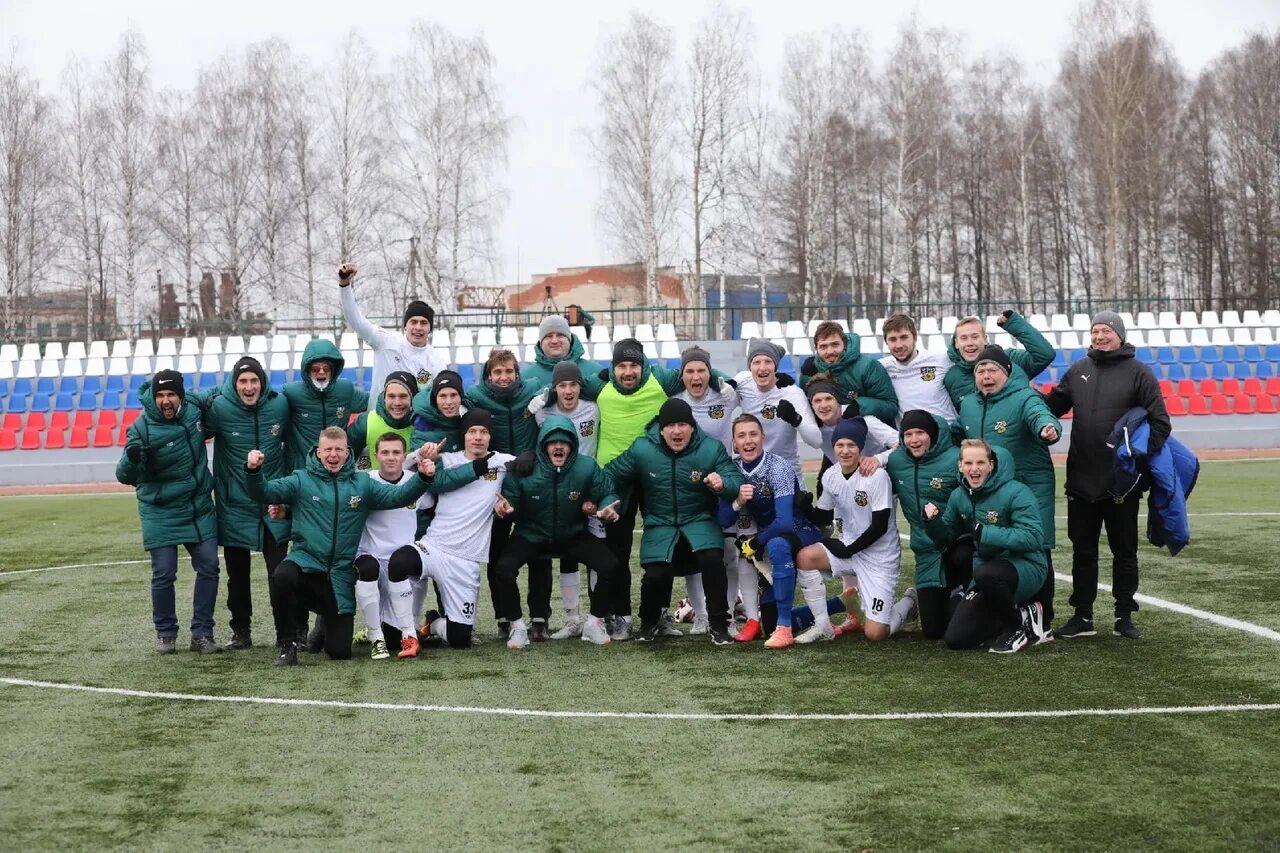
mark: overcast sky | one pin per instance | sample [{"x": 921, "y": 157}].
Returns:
[{"x": 545, "y": 51}]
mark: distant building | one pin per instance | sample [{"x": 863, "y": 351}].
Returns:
[
  {"x": 603, "y": 288},
  {"x": 61, "y": 315}
]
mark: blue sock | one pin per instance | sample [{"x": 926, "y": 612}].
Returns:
[
  {"x": 802, "y": 616},
  {"x": 784, "y": 578}
]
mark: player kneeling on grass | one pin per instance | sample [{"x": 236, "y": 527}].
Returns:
[
  {"x": 385, "y": 565},
  {"x": 549, "y": 501},
  {"x": 769, "y": 496},
  {"x": 1003, "y": 518},
  {"x": 678, "y": 473},
  {"x": 864, "y": 545},
  {"x": 330, "y": 501}
]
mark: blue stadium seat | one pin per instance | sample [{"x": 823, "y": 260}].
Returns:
[
  {"x": 45, "y": 385},
  {"x": 131, "y": 400},
  {"x": 68, "y": 385},
  {"x": 209, "y": 381},
  {"x": 1166, "y": 355},
  {"x": 1175, "y": 371},
  {"x": 786, "y": 365},
  {"x": 40, "y": 403},
  {"x": 1188, "y": 355},
  {"x": 1060, "y": 359},
  {"x": 1265, "y": 369},
  {"x": 91, "y": 384},
  {"x": 1273, "y": 352},
  {"x": 4, "y": 388},
  {"x": 1241, "y": 369},
  {"x": 16, "y": 403},
  {"x": 63, "y": 403},
  {"x": 1220, "y": 370},
  {"x": 1210, "y": 355},
  {"x": 87, "y": 402},
  {"x": 279, "y": 378},
  {"x": 1231, "y": 353},
  {"x": 1251, "y": 353},
  {"x": 111, "y": 400},
  {"x": 1197, "y": 370},
  {"x": 135, "y": 382},
  {"x": 22, "y": 386},
  {"x": 115, "y": 383},
  {"x": 468, "y": 374}
]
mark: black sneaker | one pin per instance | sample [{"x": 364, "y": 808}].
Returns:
[
  {"x": 1033, "y": 624},
  {"x": 1124, "y": 627},
  {"x": 720, "y": 637},
  {"x": 204, "y": 646},
  {"x": 649, "y": 633},
  {"x": 240, "y": 640},
  {"x": 538, "y": 631},
  {"x": 504, "y": 631},
  {"x": 1010, "y": 642},
  {"x": 287, "y": 655},
  {"x": 1077, "y": 626}
]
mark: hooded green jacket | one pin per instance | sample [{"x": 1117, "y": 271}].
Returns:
[
  {"x": 1010, "y": 519},
  {"x": 1012, "y": 418},
  {"x": 173, "y": 484},
  {"x": 860, "y": 378},
  {"x": 673, "y": 497},
  {"x": 548, "y": 502},
  {"x": 930, "y": 479},
  {"x": 430, "y": 425},
  {"x": 514, "y": 429},
  {"x": 311, "y": 410},
  {"x": 1028, "y": 363},
  {"x": 328, "y": 515},
  {"x": 236, "y": 429},
  {"x": 363, "y": 444},
  {"x": 540, "y": 371}
]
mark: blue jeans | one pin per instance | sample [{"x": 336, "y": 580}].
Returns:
[{"x": 164, "y": 571}]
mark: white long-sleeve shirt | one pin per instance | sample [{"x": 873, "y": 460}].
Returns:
[
  {"x": 918, "y": 383},
  {"x": 714, "y": 412},
  {"x": 385, "y": 530},
  {"x": 585, "y": 418},
  {"x": 464, "y": 517},
  {"x": 391, "y": 350},
  {"x": 779, "y": 436}
]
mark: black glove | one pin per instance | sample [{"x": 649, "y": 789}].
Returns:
[
  {"x": 481, "y": 465},
  {"x": 786, "y": 380},
  {"x": 552, "y": 397},
  {"x": 787, "y": 412},
  {"x": 732, "y": 383},
  {"x": 802, "y": 502},
  {"x": 603, "y": 374},
  {"x": 522, "y": 465},
  {"x": 136, "y": 453},
  {"x": 809, "y": 367},
  {"x": 852, "y": 410}
]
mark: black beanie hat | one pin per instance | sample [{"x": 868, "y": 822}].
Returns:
[
  {"x": 566, "y": 371},
  {"x": 628, "y": 349},
  {"x": 675, "y": 411},
  {"x": 476, "y": 417},
  {"x": 445, "y": 379},
  {"x": 920, "y": 419},
  {"x": 248, "y": 364},
  {"x": 997, "y": 356},
  {"x": 418, "y": 308},
  {"x": 168, "y": 380},
  {"x": 402, "y": 377}
]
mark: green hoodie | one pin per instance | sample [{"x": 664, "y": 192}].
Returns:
[
  {"x": 930, "y": 479},
  {"x": 236, "y": 429},
  {"x": 673, "y": 497},
  {"x": 173, "y": 484},
  {"x": 514, "y": 429},
  {"x": 1010, "y": 519},
  {"x": 311, "y": 410},
  {"x": 548, "y": 502},
  {"x": 431, "y": 426},
  {"x": 860, "y": 378},
  {"x": 540, "y": 371},
  {"x": 1027, "y": 363},
  {"x": 1012, "y": 418},
  {"x": 328, "y": 515},
  {"x": 364, "y": 443}
]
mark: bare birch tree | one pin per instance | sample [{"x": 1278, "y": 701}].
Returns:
[
  {"x": 85, "y": 220},
  {"x": 181, "y": 184}
]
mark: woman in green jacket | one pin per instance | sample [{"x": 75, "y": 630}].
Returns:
[{"x": 164, "y": 459}]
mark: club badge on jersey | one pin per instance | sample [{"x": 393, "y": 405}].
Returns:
[
  {"x": 695, "y": 476},
  {"x": 928, "y": 374},
  {"x": 993, "y": 517},
  {"x": 860, "y": 498},
  {"x": 716, "y": 412},
  {"x": 423, "y": 377},
  {"x": 586, "y": 428},
  {"x": 1001, "y": 426},
  {"x": 769, "y": 412}
]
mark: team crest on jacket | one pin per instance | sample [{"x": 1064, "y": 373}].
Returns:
[
  {"x": 695, "y": 476},
  {"x": 1001, "y": 426},
  {"x": 354, "y": 501},
  {"x": 936, "y": 484},
  {"x": 744, "y": 521},
  {"x": 850, "y": 395},
  {"x": 586, "y": 428},
  {"x": 574, "y": 495},
  {"x": 860, "y": 498},
  {"x": 769, "y": 412},
  {"x": 341, "y": 412},
  {"x": 423, "y": 377},
  {"x": 362, "y": 464},
  {"x": 716, "y": 412},
  {"x": 993, "y": 517},
  {"x": 928, "y": 374},
  {"x": 275, "y": 430}
]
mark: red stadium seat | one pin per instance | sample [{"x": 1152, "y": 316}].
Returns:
[
  {"x": 1231, "y": 387},
  {"x": 30, "y": 439},
  {"x": 36, "y": 422},
  {"x": 1242, "y": 404},
  {"x": 1175, "y": 405},
  {"x": 8, "y": 439},
  {"x": 55, "y": 438},
  {"x": 83, "y": 420},
  {"x": 1066, "y": 417},
  {"x": 104, "y": 436},
  {"x": 129, "y": 416},
  {"x": 107, "y": 418},
  {"x": 1253, "y": 385},
  {"x": 1273, "y": 385},
  {"x": 1220, "y": 405},
  {"x": 1208, "y": 387},
  {"x": 60, "y": 420},
  {"x": 79, "y": 437},
  {"x": 1264, "y": 404},
  {"x": 1166, "y": 388},
  {"x": 124, "y": 435},
  {"x": 1197, "y": 405},
  {"x": 1187, "y": 387},
  {"x": 1047, "y": 387},
  {"x": 12, "y": 422}
]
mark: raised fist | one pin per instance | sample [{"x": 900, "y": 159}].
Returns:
[
  {"x": 1049, "y": 433},
  {"x": 746, "y": 493},
  {"x": 787, "y": 412},
  {"x": 346, "y": 272},
  {"x": 713, "y": 481},
  {"x": 809, "y": 367},
  {"x": 786, "y": 380}
]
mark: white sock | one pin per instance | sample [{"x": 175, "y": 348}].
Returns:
[
  {"x": 591, "y": 580},
  {"x": 369, "y": 600},
  {"x": 419, "y": 598},
  {"x": 898, "y": 614},
  {"x": 697, "y": 595},
  {"x": 815, "y": 595},
  {"x": 401, "y": 595},
  {"x": 439, "y": 627},
  {"x": 748, "y": 589},
  {"x": 569, "y": 584}
]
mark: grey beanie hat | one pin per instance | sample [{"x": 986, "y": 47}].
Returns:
[
  {"x": 695, "y": 353},
  {"x": 553, "y": 323},
  {"x": 565, "y": 371},
  {"x": 762, "y": 346},
  {"x": 1109, "y": 318}
]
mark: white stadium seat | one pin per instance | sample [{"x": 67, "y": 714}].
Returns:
[
  {"x": 95, "y": 366},
  {"x": 8, "y": 352},
  {"x": 281, "y": 343},
  {"x": 1146, "y": 320},
  {"x": 1271, "y": 318},
  {"x": 187, "y": 364},
  {"x": 599, "y": 334},
  {"x": 1252, "y": 318},
  {"x": 482, "y": 354},
  {"x": 1188, "y": 320},
  {"x": 1178, "y": 337},
  {"x": 1263, "y": 337},
  {"x": 794, "y": 329},
  {"x": 189, "y": 346},
  {"x": 580, "y": 332},
  {"x": 1157, "y": 338},
  {"x": 98, "y": 349},
  {"x": 1209, "y": 319},
  {"x": 72, "y": 367},
  {"x": 486, "y": 337},
  {"x": 6, "y": 368},
  {"x": 30, "y": 352},
  {"x": 464, "y": 354},
  {"x": 929, "y": 326},
  {"x": 668, "y": 349},
  {"x": 145, "y": 347},
  {"x": 229, "y": 360},
  {"x": 27, "y": 368},
  {"x": 440, "y": 339},
  {"x": 121, "y": 349},
  {"x": 1039, "y": 322},
  {"x": 508, "y": 337},
  {"x": 529, "y": 336},
  {"x": 602, "y": 351},
  {"x": 212, "y": 346},
  {"x": 211, "y": 363},
  {"x": 53, "y": 349},
  {"x": 1231, "y": 318},
  {"x": 49, "y": 368},
  {"x": 163, "y": 362},
  {"x": 948, "y": 326},
  {"x": 350, "y": 340},
  {"x": 1220, "y": 337},
  {"x": 801, "y": 347},
  {"x": 1052, "y": 338},
  {"x": 1060, "y": 323},
  {"x": 936, "y": 343},
  {"x": 621, "y": 332},
  {"x": 462, "y": 337},
  {"x": 1242, "y": 337},
  {"x": 1167, "y": 320},
  {"x": 870, "y": 345},
  {"x": 862, "y": 328},
  {"x": 771, "y": 329},
  {"x": 257, "y": 343},
  {"x": 1199, "y": 337},
  {"x": 1137, "y": 337},
  {"x": 644, "y": 333},
  {"x": 750, "y": 329},
  {"x": 235, "y": 345},
  {"x": 666, "y": 332},
  {"x": 167, "y": 347},
  {"x": 1004, "y": 339},
  {"x": 280, "y": 360},
  {"x": 119, "y": 366},
  {"x": 650, "y": 349},
  {"x": 301, "y": 340},
  {"x": 1069, "y": 340},
  {"x": 1080, "y": 323}
]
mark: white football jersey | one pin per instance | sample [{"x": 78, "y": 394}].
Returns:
[
  {"x": 714, "y": 411},
  {"x": 853, "y": 499},
  {"x": 463, "y": 523},
  {"x": 918, "y": 383},
  {"x": 391, "y": 350},
  {"x": 385, "y": 530},
  {"x": 585, "y": 418},
  {"x": 779, "y": 436}
]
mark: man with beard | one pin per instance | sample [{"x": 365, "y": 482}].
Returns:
[
  {"x": 318, "y": 400},
  {"x": 392, "y": 413}
]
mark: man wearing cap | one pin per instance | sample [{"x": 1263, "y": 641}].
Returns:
[
  {"x": 917, "y": 375},
  {"x": 164, "y": 459},
  {"x": 969, "y": 339},
  {"x": 410, "y": 350},
  {"x": 320, "y": 399},
  {"x": 1016, "y": 418},
  {"x": 1100, "y": 388},
  {"x": 679, "y": 472},
  {"x": 557, "y": 344},
  {"x": 392, "y": 413},
  {"x": 781, "y": 407},
  {"x": 246, "y": 414},
  {"x": 437, "y": 413}
]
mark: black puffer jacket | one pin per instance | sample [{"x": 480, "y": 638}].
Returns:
[{"x": 1099, "y": 389}]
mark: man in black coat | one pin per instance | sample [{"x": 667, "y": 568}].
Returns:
[{"x": 1101, "y": 388}]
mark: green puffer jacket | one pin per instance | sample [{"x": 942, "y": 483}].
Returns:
[
  {"x": 931, "y": 478},
  {"x": 173, "y": 484},
  {"x": 861, "y": 378},
  {"x": 236, "y": 429},
  {"x": 540, "y": 371},
  {"x": 1028, "y": 363},
  {"x": 1010, "y": 519},
  {"x": 430, "y": 425},
  {"x": 514, "y": 429},
  {"x": 548, "y": 503},
  {"x": 673, "y": 497},
  {"x": 1012, "y": 418},
  {"x": 328, "y": 516},
  {"x": 362, "y": 442},
  {"x": 311, "y": 410}
]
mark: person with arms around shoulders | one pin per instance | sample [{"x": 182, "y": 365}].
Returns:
[
  {"x": 838, "y": 354},
  {"x": 557, "y": 344}
]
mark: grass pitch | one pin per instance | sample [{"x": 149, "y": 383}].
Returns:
[{"x": 91, "y": 770}]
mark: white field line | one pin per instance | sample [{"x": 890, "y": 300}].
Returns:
[{"x": 663, "y": 716}]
